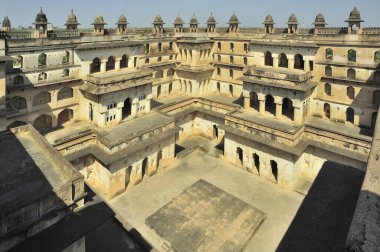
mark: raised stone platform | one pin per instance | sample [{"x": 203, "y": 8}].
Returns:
[{"x": 206, "y": 218}]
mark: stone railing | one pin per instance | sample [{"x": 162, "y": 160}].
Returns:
[{"x": 364, "y": 233}]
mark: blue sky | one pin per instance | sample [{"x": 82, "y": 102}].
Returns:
[{"x": 140, "y": 13}]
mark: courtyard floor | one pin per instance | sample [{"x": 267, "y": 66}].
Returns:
[{"x": 279, "y": 205}]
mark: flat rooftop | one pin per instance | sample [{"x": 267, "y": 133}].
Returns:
[{"x": 27, "y": 172}]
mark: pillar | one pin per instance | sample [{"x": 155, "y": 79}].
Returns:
[
  {"x": 148, "y": 104},
  {"x": 134, "y": 108},
  {"x": 103, "y": 66},
  {"x": 275, "y": 60},
  {"x": 246, "y": 102},
  {"x": 307, "y": 65},
  {"x": 117, "y": 64},
  {"x": 291, "y": 63},
  {"x": 152, "y": 165},
  {"x": 297, "y": 115},
  {"x": 278, "y": 109},
  {"x": 136, "y": 173},
  {"x": 261, "y": 106}
]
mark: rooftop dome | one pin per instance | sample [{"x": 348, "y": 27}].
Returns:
[
  {"x": 122, "y": 20},
  {"x": 234, "y": 19},
  {"x": 194, "y": 20},
  {"x": 269, "y": 20},
  {"x": 41, "y": 17},
  {"x": 158, "y": 20},
  {"x": 211, "y": 20},
  {"x": 178, "y": 20},
  {"x": 320, "y": 19},
  {"x": 72, "y": 19},
  {"x": 99, "y": 20},
  {"x": 6, "y": 22},
  {"x": 354, "y": 16},
  {"x": 293, "y": 19}
]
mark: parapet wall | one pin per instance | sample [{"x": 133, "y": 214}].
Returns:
[{"x": 364, "y": 233}]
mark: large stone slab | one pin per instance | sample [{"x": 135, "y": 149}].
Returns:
[{"x": 206, "y": 218}]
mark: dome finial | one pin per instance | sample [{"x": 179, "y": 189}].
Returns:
[{"x": 41, "y": 9}]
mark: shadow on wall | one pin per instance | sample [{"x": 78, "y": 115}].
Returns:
[{"x": 324, "y": 217}]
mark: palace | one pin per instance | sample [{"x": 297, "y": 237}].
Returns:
[{"x": 118, "y": 108}]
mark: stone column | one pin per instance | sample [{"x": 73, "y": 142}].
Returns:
[
  {"x": 136, "y": 173},
  {"x": 297, "y": 115},
  {"x": 152, "y": 167},
  {"x": 117, "y": 64},
  {"x": 278, "y": 109},
  {"x": 134, "y": 108},
  {"x": 148, "y": 104},
  {"x": 261, "y": 106},
  {"x": 103, "y": 66},
  {"x": 307, "y": 65},
  {"x": 246, "y": 102},
  {"x": 275, "y": 60},
  {"x": 291, "y": 62}
]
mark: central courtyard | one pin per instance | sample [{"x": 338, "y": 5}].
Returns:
[{"x": 137, "y": 207}]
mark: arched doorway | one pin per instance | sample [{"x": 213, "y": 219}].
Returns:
[
  {"x": 110, "y": 65},
  {"x": 218, "y": 87},
  {"x": 299, "y": 62},
  {"x": 270, "y": 105},
  {"x": 287, "y": 108},
  {"x": 43, "y": 123},
  {"x": 268, "y": 59},
  {"x": 124, "y": 61},
  {"x": 144, "y": 167},
  {"x": 350, "y": 115},
  {"x": 256, "y": 162},
  {"x": 127, "y": 109},
  {"x": 326, "y": 109},
  {"x": 231, "y": 89},
  {"x": 158, "y": 91},
  {"x": 274, "y": 169},
  {"x": 254, "y": 100},
  {"x": 95, "y": 66},
  {"x": 65, "y": 116},
  {"x": 283, "y": 60},
  {"x": 239, "y": 156}
]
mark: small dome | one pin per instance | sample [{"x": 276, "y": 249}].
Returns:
[
  {"x": 6, "y": 22},
  {"x": 41, "y": 17},
  {"x": 99, "y": 20},
  {"x": 320, "y": 19},
  {"x": 269, "y": 20},
  {"x": 122, "y": 20},
  {"x": 72, "y": 19},
  {"x": 293, "y": 19},
  {"x": 354, "y": 16},
  {"x": 158, "y": 20},
  {"x": 234, "y": 19},
  {"x": 178, "y": 20},
  {"x": 211, "y": 20},
  {"x": 194, "y": 20}
]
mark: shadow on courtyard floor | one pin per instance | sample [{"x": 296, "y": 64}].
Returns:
[{"x": 324, "y": 217}]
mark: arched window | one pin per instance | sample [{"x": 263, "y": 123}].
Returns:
[
  {"x": 219, "y": 46},
  {"x": 18, "y": 80},
  {"x": 351, "y": 55},
  {"x": 110, "y": 65},
  {"x": 218, "y": 71},
  {"x": 376, "y": 97},
  {"x": 351, "y": 74},
  {"x": 270, "y": 105},
  {"x": 124, "y": 61},
  {"x": 43, "y": 123},
  {"x": 299, "y": 62},
  {"x": 65, "y": 116},
  {"x": 268, "y": 59},
  {"x": 246, "y": 47},
  {"x": 377, "y": 57},
  {"x": 328, "y": 89},
  {"x": 329, "y": 54},
  {"x": 326, "y": 109},
  {"x": 42, "y": 59},
  {"x": 283, "y": 60},
  {"x": 65, "y": 93},
  {"x": 245, "y": 61},
  {"x": 65, "y": 72},
  {"x": 219, "y": 58},
  {"x": 18, "y": 102},
  {"x": 231, "y": 73},
  {"x": 254, "y": 100},
  {"x": 159, "y": 74},
  {"x": 350, "y": 92},
  {"x": 42, "y": 98},
  {"x": 95, "y": 66},
  {"x": 328, "y": 71},
  {"x": 170, "y": 72},
  {"x": 147, "y": 61},
  {"x": 287, "y": 108},
  {"x": 231, "y": 59},
  {"x": 350, "y": 115},
  {"x": 159, "y": 47},
  {"x": 232, "y": 47},
  {"x": 42, "y": 76},
  {"x": 218, "y": 87}
]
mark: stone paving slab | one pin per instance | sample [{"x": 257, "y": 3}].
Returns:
[{"x": 206, "y": 218}]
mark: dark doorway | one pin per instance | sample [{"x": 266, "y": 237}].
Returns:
[
  {"x": 283, "y": 61},
  {"x": 158, "y": 91},
  {"x": 65, "y": 116},
  {"x": 273, "y": 165},
  {"x": 231, "y": 88},
  {"x": 270, "y": 105},
  {"x": 287, "y": 108},
  {"x": 127, "y": 109},
  {"x": 239, "y": 153},
  {"x": 326, "y": 109},
  {"x": 254, "y": 100},
  {"x": 299, "y": 62},
  {"x": 144, "y": 167},
  {"x": 124, "y": 61},
  {"x": 350, "y": 115},
  {"x": 95, "y": 66},
  {"x": 215, "y": 132},
  {"x": 110, "y": 65},
  {"x": 256, "y": 160},
  {"x": 268, "y": 59}
]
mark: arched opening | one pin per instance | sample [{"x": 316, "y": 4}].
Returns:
[
  {"x": 66, "y": 58},
  {"x": 18, "y": 80},
  {"x": 159, "y": 74},
  {"x": 144, "y": 167},
  {"x": 170, "y": 72},
  {"x": 42, "y": 76},
  {"x": 219, "y": 58},
  {"x": 110, "y": 65},
  {"x": 42, "y": 98},
  {"x": 326, "y": 109},
  {"x": 43, "y": 123},
  {"x": 245, "y": 60},
  {"x": 18, "y": 102},
  {"x": 147, "y": 61},
  {"x": 256, "y": 162},
  {"x": 158, "y": 91},
  {"x": 147, "y": 47},
  {"x": 95, "y": 66},
  {"x": 16, "y": 124},
  {"x": 159, "y": 47},
  {"x": 219, "y": 46},
  {"x": 124, "y": 61},
  {"x": 254, "y": 100},
  {"x": 350, "y": 115},
  {"x": 351, "y": 55},
  {"x": 268, "y": 59},
  {"x": 328, "y": 89},
  {"x": 245, "y": 47},
  {"x": 350, "y": 92},
  {"x": 65, "y": 116},
  {"x": 376, "y": 98},
  {"x": 170, "y": 88},
  {"x": 215, "y": 134},
  {"x": 287, "y": 108},
  {"x": 299, "y": 62},
  {"x": 65, "y": 73},
  {"x": 159, "y": 59},
  {"x": 239, "y": 156},
  {"x": 170, "y": 46},
  {"x": 373, "y": 121},
  {"x": 42, "y": 60},
  {"x": 65, "y": 93},
  {"x": 218, "y": 87},
  {"x": 232, "y": 47},
  {"x": 231, "y": 73},
  {"x": 231, "y": 59},
  {"x": 218, "y": 71},
  {"x": 274, "y": 169},
  {"x": 127, "y": 109},
  {"x": 377, "y": 57},
  {"x": 329, "y": 54},
  {"x": 270, "y": 105},
  {"x": 283, "y": 60},
  {"x": 328, "y": 71},
  {"x": 351, "y": 74},
  {"x": 231, "y": 89}
]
